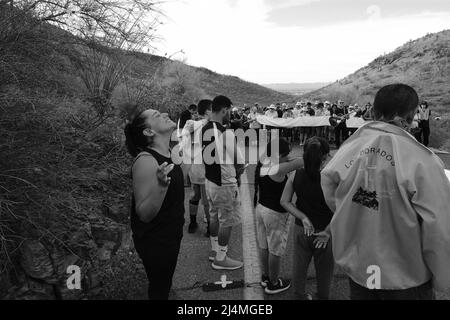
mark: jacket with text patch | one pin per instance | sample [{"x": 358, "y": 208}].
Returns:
[{"x": 391, "y": 200}]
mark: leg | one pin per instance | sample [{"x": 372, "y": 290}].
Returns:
[
  {"x": 261, "y": 238},
  {"x": 264, "y": 259},
  {"x": 324, "y": 265},
  {"x": 205, "y": 208},
  {"x": 224, "y": 235},
  {"x": 426, "y": 135},
  {"x": 193, "y": 208},
  {"x": 229, "y": 215},
  {"x": 160, "y": 262},
  {"x": 302, "y": 258},
  {"x": 337, "y": 135},
  {"x": 274, "y": 268}
]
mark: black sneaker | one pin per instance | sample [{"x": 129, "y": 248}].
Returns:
[
  {"x": 192, "y": 227},
  {"x": 264, "y": 281},
  {"x": 282, "y": 285}
]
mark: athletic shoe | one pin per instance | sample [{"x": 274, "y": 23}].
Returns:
[
  {"x": 264, "y": 281},
  {"x": 282, "y": 285},
  {"x": 212, "y": 256},
  {"x": 226, "y": 264},
  {"x": 192, "y": 227}
]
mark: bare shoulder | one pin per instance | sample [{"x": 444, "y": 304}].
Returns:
[{"x": 146, "y": 164}]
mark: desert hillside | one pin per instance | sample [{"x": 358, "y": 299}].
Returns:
[{"x": 423, "y": 63}]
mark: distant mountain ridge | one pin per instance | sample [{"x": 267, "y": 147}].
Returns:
[
  {"x": 296, "y": 88},
  {"x": 423, "y": 63}
]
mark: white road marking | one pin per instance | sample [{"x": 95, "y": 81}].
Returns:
[{"x": 252, "y": 270}]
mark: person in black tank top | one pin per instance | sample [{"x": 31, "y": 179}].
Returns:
[
  {"x": 312, "y": 218},
  {"x": 157, "y": 211},
  {"x": 272, "y": 227}
]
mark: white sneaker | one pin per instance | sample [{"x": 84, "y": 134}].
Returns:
[{"x": 226, "y": 264}]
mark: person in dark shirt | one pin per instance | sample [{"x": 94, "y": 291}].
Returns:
[
  {"x": 279, "y": 110},
  {"x": 272, "y": 220},
  {"x": 339, "y": 113},
  {"x": 310, "y": 110},
  {"x": 223, "y": 165},
  {"x": 157, "y": 211},
  {"x": 235, "y": 119},
  {"x": 186, "y": 115},
  {"x": 312, "y": 219}
]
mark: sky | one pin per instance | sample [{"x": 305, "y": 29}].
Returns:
[{"x": 284, "y": 41}]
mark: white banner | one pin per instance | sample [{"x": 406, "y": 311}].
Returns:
[
  {"x": 306, "y": 122},
  {"x": 355, "y": 122},
  {"x": 294, "y": 122}
]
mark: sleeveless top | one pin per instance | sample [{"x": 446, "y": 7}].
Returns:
[
  {"x": 270, "y": 193},
  {"x": 311, "y": 201},
  {"x": 167, "y": 226}
]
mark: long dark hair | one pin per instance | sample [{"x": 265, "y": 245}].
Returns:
[
  {"x": 136, "y": 141},
  {"x": 313, "y": 153},
  {"x": 284, "y": 149}
]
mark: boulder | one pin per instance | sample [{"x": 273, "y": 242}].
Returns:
[{"x": 36, "y": 262}]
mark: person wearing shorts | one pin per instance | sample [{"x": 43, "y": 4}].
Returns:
[
  {"x": 223, "y": 166},
  {"x": 196, "y": 172},
  {"x": 272, "y": 220}
]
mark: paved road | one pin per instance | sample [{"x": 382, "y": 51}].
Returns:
[{"x": 194, "y": 268}]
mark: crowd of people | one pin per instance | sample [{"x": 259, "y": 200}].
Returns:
[
  {"x": 380, "y": 202},
  {"x": 245, "y": 118}
]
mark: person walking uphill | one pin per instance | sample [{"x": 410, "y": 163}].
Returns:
[
  {"x": 391, "y": 200},
  {"x": 157, "y": 211}
]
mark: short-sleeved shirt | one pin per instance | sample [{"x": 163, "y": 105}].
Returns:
[{"x": 217, "y": 171}]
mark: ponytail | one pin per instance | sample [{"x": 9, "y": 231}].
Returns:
[
  {"x": 314, "y": 151},
  {"x": 257, "y": 179},
  {"x": 136, "y": 141}
]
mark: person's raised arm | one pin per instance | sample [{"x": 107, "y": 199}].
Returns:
[
  {"x": 282, "y": 169},
  {"x": 150, "y": 183},
  {"x": 431, "y": 201},
  {"x": 288, "y": 205}
]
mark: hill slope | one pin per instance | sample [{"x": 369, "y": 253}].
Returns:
[
  {"x": 206, "y": 83},
  {"x": 423, "y": 63}
]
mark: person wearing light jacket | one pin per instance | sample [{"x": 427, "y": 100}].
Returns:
[{"x": 391, "y": 200}]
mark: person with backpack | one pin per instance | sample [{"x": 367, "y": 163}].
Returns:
[
  {"x": 157, "y": 210},
  {"x": 312, "y": 217},
  {"x": 272, "y": 220}
]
